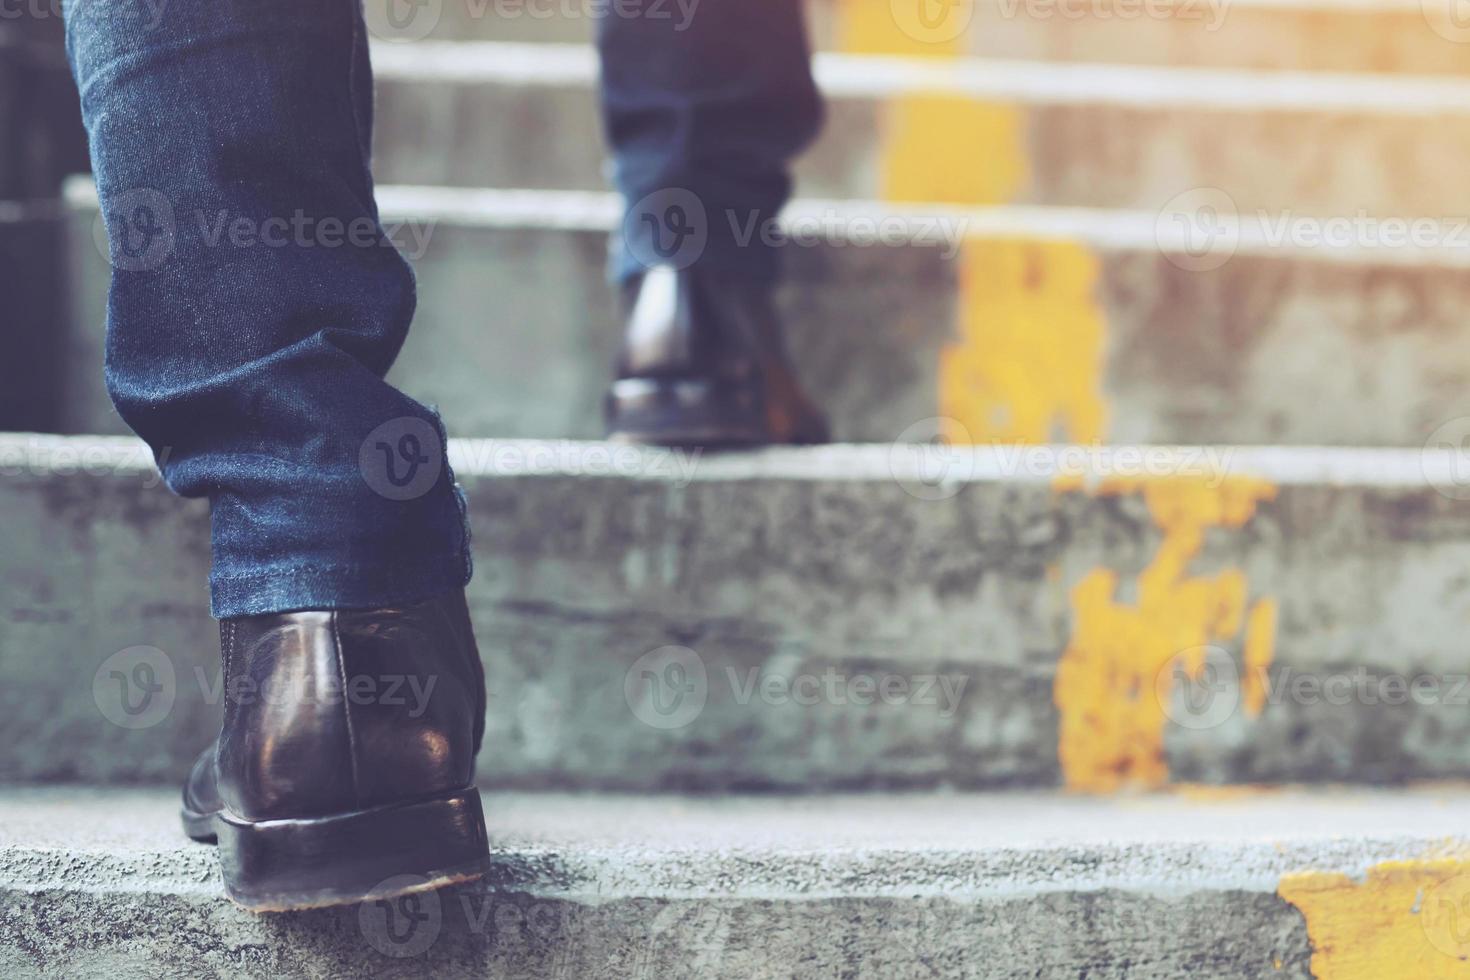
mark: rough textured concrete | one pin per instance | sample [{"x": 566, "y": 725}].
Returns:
[
  {"x": 772, "y": 568},
  {"x": 1377, "y": 35},
  {"x": 101, "y": 883},
  {"x": 516, "y": 328},
  {"x": 1111, "y": 136}
]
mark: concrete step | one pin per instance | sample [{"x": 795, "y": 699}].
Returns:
[
  {"x": 32, "y": 354},
  {"x": 1328, "y": 35},
  {"x": 1287, "y": 884},
  {"x": 1018, "y": 323},
  {"x": 39, "y": 112},
  {"x": 971, "y": 132},
  {"x": 825, "y": 618}
]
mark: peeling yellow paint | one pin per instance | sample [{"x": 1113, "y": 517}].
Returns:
[
  {"x": 1027, "y": 366},
  {"x": 1407, "y": 919},
  {"x": 1027, "y": 363},
  {"x": 914, "y": 28},
  {"x": 1256, "y": 655},
  {"x": 1112, "y": 719},
  {"x": 949, "y": 149}
]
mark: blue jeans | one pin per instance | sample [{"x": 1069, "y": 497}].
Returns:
[
  {"x": 705, "y": 112},
  {"x": 256, "y": 303}
]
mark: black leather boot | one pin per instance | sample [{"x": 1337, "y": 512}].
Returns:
[
  {"x": 347, "y": 756},
  {"x": 704, "y": 363}
]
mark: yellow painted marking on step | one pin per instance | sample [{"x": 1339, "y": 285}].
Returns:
[
  {"x": 1112, "y": 716},
  {"x": 1406, "y": 919},
  {"x": 1027, "y": 366},
  {"x": 913, "y": 28},
  {"x": 946, "y": 149},
  {"x": 1028, "y": 361},
  {"x": 1256, "y": 655}
]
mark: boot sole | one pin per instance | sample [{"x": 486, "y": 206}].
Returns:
[
  {"x": 383, "y": 852},
  {"x": 685, "y": 413}
]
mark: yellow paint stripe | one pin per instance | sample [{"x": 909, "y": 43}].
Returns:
[
  {"x": 1257, "y": 653},
  {"x": 913, "y": 28},
  {"x": 1112, "y": 720},
  {"x": 948, "y": 149},
  {"x": 1027, "y": 364},
  {"x": 1027, "y": 367},
  {"x": 1404, "y": 919}
]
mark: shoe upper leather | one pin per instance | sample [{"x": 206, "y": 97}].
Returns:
[
  {"x": 690, "y": 324},
  {"x": 679, "y": 324},
  {"x": 329, "y": 712}
]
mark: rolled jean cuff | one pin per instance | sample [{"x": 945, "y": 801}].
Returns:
[
  {"x": 345, "y": 587},
  {"x": 361, "y": 542}
]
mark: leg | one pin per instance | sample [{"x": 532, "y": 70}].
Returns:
[
  {"x": 716, "y": 102},
  {"x": 256, "y": 303},
  {"x": 256, "y": 306},
  {"x": 705, "y": 105}
]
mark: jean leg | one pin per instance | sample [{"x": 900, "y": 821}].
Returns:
[
  {"x": 713, "y": 97},
  {"x": 256, "y": 303}
]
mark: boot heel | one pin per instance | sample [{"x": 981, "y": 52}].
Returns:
[
  {"x": 685, "y": 413},
  {"x": 276, "y": 865}
]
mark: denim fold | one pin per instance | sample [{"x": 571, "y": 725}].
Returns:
[
  {"x": 256, "y": 303},
  {"x": 704, "y": 107}
]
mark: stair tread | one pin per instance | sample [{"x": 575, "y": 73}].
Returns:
[
  {"x": 878, "y": 76},
  {"x": 936, "y": 226},
  {"x": 1386, "y": 467},
  {"x": 863, "y": 845}
]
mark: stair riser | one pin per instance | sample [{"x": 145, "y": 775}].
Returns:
[
  {"x": 39, "y": 114},
  {"x": 1224, "y": 934},
  {"x": 32, "y": 352},
  {"x": 1291, "y": 348},
  {"x": 578, "y": 578},
  {"x": 1197, "y": 33},
  {"x": 1090, "y": 152}
]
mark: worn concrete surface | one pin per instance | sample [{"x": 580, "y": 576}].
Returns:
[
  {"x": 1376, "y": 35},
  {"x": 1110, "y": 136},
  {"x": 778, "y": 569},
  {"x": 96, "y": 883},
  {"x": 516, "y": 328}
]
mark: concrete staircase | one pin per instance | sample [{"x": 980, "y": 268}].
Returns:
[
  {"x": 985, "y": 886},
  {"x": 42, "y": 141},
  {"x": 1318, "y": 35},
  {"x": 1163, "y": 676}
]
